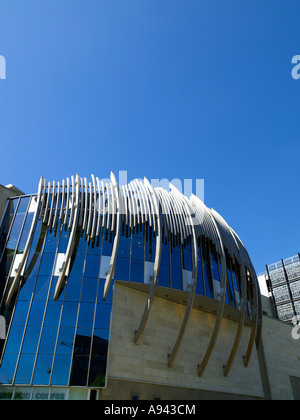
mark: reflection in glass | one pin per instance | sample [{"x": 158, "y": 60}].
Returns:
[
  {"x": 61, "y": 370},
  {"x": 25, "y": 368},
  {"x": 43, "y": 369}
]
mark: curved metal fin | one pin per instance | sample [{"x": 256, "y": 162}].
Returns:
[
  {"x": 140, "y": 330},
  {"x": 113, "y": 259},
  {"x": 25, "y": 255},
  {"x": 238, "y": 336},
  {"x": 71, "y": 243},
  {"x": 173, "y": 354},
  {"x": 211, "y": 346}
]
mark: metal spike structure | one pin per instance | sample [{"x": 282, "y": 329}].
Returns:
[{"x": 87, "y": 207}]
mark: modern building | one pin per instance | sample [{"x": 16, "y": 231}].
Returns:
[
  {"x": 122, "y": 292},
  {"x": 281, "y": 282}
]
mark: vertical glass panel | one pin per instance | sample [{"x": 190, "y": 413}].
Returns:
[
  {"x": 86, "y": 315},
  {"x": 230, "y": 287},
  {"x": 48, "y": 340},
  {"x": 92, "y": 266},
  {"x": 107, "y": 247},
  {"x": 36, "y": 313},
  {"x": 47, "y": 264},
  {"x": 8, "y": 368},
  {"x": 24, "y": 202},
  {"x": 69, "y": 315},
  {"x": 42, "y": 288},
  {"x": 14, "y": 340},
  {"x": 31, "y": 339},
  {"x": 21, "y": 311},
  {"x": 200, "y": 281},
  {"x": 122, "y": 269},
  {"x": 25, "y": 233},
  {"x": 176, "y": 256},
  {"x": 187, "y": 257},
  {"x": 176, "y": 278},
  {"x": 137, "y": 248},
  {"x": 51, "y": 243},
  {"x": 24, "y": 372},
  {"x": 81, "y": 357},
  {"x": 43, "y": 370},
  {"x": 164, "y": 276},
  {"x": 52, "y": 314},
  {"x": 27, "y": 288},
  {"x": 89, "y": 290},
  {"x": 97, "y": 373},
  {"x": 77, "y": 266},
  {"x": 65, "y": 341},
  {"x": 207, "y": 270},
  {"x": 61, "y": 370},
  {"x": 215, "y": 266},
  {"x": 124, "y": 247},
  {"x": 73, "y": 289},
  {"x": 103, "y": 314},
  {"x": 137, "y": 271}
]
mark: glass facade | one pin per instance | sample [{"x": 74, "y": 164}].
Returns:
[
  {"x": 62, "y": 343},
  {"x": 53, "y": 343}
]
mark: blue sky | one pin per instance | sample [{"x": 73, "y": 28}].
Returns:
[{"x": 194, "y": 89}]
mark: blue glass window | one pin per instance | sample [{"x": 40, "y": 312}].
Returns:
[
  {"x": 86, "y": 315},
  {"x": 24, "y": 372},
  {"x": 65, "y": 341},
  {"x": 31, "y": 339},
  {"x": 42, "y": 288},
  {"x": 8, "y": 368},
  {"x": 14, "y": 339},
  {"x": 36, "y": 313},
  {"x": 137, "y": 248},
  {"x": 69, "y": 314},
  {"x": 164, "y": 276},
  {"x": 21, "y": 311},
  {"x": 122, "y": 269},
  {"x": 89, "y": 289},
  {"x": 48, "y": 340},
  {"x": 61, "y": 370},
  {"x": 200, "y": 283},
  {"x": 176, "y": 278},
  {"x": 43, "y": 369},
  {"x": 92, "y": 266},
  {"x": 124, "y": 247},
  {"x": 137, "y": 271},
  {"x": 209, "y": 292},
  {"x": 73, "y": 289},
  {"x": 103, "y": 314}
]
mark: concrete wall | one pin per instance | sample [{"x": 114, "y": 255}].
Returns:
[
  {"x": 147, "y": 362},
  {"x": 282, "y": 357}
]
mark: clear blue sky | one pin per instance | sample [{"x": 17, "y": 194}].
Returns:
[{"x": 164, "y": 89}]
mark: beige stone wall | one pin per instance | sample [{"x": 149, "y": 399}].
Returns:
[
  {"x": 282, "y": 356},
  {"x": 147, "y": 362}
]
